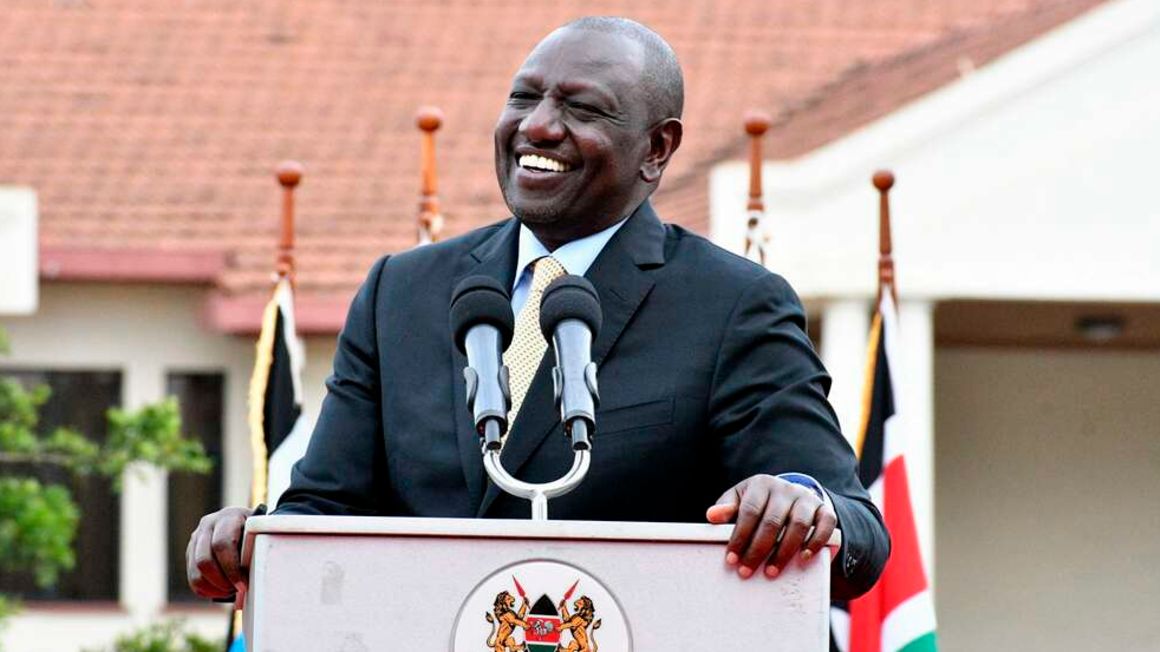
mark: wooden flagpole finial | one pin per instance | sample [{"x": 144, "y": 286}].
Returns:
[
  {"x": 289, "y": 174},
  {"x": 756, "y": 124},
  {"x": 429, "y": 119},
  {"x": 884, "y": 181}
]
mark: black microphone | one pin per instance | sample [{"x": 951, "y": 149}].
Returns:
[
  {"x": 482, "y": 323},
  {"x": 570, "y": 319}
]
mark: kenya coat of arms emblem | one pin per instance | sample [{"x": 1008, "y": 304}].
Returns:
[
  {"x": 544, "y": 625},
  {"x": 564, "y": 618}
]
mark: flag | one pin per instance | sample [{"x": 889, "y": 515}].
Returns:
[
  {"x": 278, "y": 433},
  {"x": 897, "y": 615}
]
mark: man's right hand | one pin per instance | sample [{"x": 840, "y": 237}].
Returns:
[{"x": 213, "y": 562}]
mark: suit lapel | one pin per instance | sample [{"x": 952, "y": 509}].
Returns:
[
  {"x": 495, "y": 257},
  {"x": 622, "y": 275},
  {"x": 622, "y": 279}
]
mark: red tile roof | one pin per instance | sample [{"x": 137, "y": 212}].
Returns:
[
  {"x": 862, "y": 93},
  {"x": 150, "y": 129}
]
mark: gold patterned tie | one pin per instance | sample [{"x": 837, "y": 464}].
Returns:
[{"x": 528, "y": 345}]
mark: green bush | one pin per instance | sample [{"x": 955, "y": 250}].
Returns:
[
  {"x": 163, "y": 637},
  {"x": 37, "y": 526}
]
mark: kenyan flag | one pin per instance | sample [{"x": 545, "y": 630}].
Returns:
[
  {"x": 897, "y": 615},
  {"x": 543, "y": 632}
]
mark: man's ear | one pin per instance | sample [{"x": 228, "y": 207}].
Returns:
[{"x": 664, "y": 139}]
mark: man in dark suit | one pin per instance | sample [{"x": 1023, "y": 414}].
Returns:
[{"x": 713, "y": 397}]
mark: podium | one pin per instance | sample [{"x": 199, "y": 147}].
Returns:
[{"x": 356, "y": 584}]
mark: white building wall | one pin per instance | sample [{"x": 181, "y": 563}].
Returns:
[
  {"x": 1048, "y": 532},
  {"x": 144, "y": 332},
  {"x": 18, "y": 250}
]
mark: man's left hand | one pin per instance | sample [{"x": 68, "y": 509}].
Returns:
[{"x": 775, "y": 520}]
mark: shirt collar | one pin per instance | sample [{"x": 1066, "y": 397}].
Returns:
[{"x": 576, "y": 256}]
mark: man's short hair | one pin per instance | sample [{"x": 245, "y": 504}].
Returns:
[{"x": 664, "y": 82}]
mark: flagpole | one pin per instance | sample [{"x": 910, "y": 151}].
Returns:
[
  {"x": 429, "y": 119},
  {"x": 898, "y": 612},
  {"x": 884, "y": 181},
  {"x": 756, "y": 124},
  {"x": 289, "y": 174}
]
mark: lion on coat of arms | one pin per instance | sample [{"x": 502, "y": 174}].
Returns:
[
  {"x": 581, "y": 625},
  {"x": 504, "y": 623}
]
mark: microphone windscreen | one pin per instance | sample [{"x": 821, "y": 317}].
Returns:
[
  {"x": 570, "y": 297},
  {"x": 481, "y": 300}
]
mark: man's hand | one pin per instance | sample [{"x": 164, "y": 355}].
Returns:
[
  {"x": 774, "y": 521},
  {"x": 213, "y": 557}
]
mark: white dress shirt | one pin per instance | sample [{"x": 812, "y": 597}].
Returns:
[{"x": 576, "y": 257}]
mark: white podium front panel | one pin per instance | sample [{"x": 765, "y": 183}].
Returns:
[{"x": 349, "y": 584}]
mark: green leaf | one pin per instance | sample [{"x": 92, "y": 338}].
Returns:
[
  {"x": 38, "y": 525},
  {"x": 151, "y": 434},
  {"x": 21, "y": 407}
]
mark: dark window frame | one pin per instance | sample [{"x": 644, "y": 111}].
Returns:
[{"x": 190, "y": 496}]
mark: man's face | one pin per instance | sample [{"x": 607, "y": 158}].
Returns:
[{"x": 572, "y": 137}]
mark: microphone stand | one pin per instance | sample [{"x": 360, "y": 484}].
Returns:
[{"x": 538, "y": 493}]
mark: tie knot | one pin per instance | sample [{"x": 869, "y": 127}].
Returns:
[{"x": 544, "y": 271}]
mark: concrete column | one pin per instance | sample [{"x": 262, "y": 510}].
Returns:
[
  {"x": 19, "y": 293},
  {"x": 915, "y": 400},
  {"x": 845, "y": 326},
  {"x": 237, "y": 455},
  {"x": 144, "y": 512}
]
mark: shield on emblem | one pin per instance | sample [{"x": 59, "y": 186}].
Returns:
[{"x": 543, "y": 632}]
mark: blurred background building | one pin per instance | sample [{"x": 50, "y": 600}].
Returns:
[{"x": 137, "y": 141}]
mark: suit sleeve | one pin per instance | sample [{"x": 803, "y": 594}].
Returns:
[
  {"x": 769, "y": 409},
  {"x": 344, "y": 471}
]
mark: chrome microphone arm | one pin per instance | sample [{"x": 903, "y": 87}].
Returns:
[
  {"x": 576, "y": 427},
  {"x": 541, "y": 492}
]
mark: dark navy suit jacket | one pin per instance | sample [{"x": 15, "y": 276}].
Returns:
[{"x": 706, "y": 378}]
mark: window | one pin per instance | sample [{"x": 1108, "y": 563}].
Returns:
[
  {"x": 201, "y": 396},
  {"x": 79, "y": 400}
]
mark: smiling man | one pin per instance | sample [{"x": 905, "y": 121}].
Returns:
[
  {"x": 714, "y": 402},
  {"x": 591, "y": 121}
]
